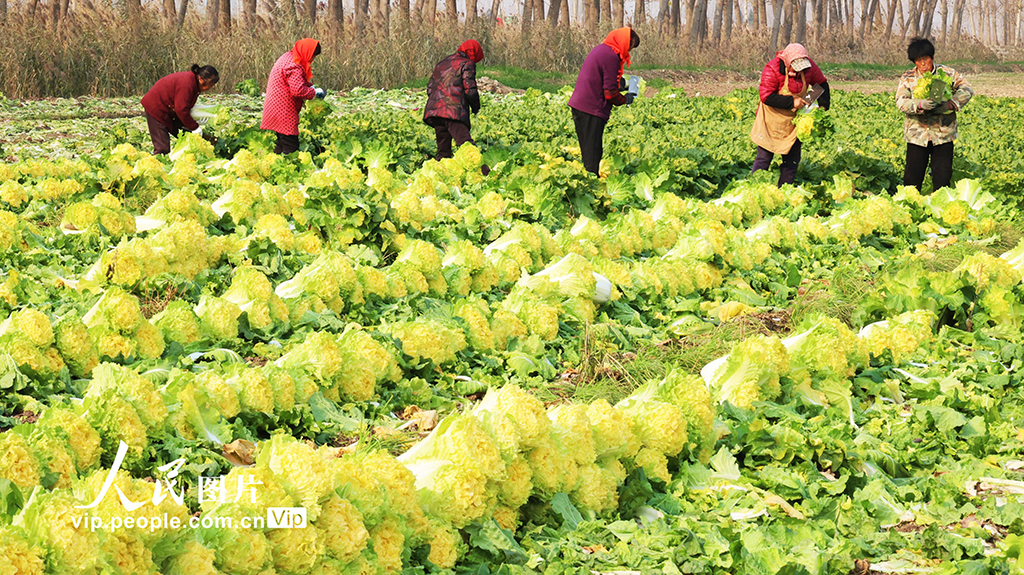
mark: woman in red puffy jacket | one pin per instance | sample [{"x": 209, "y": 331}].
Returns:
[
  {"x": 288, "y": 87},
  {"x": 169, "y": 103},
  {"x": 785, "y": 82}
]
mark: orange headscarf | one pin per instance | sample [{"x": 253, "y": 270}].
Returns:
[
  {"x": 303, "y": 52},
  {"x": 620, "y": 40}
]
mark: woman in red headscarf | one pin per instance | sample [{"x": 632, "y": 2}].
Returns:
[
  {"x": 451, "y": 95},
  {"x": 288, "y": 87},
  {"x": 785, "y": 82},
  {"x": 598, "y": 88}
]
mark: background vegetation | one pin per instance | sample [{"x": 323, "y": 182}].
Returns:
[{"x": 60, "y": 49}]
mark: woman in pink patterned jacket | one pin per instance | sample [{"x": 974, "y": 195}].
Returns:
[{"x": 288, "y": 87}]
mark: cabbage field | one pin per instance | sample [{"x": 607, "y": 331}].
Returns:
[{"x": 360, "y": 360}]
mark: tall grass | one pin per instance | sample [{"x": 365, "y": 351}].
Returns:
[{"x": 102, "y": 53}]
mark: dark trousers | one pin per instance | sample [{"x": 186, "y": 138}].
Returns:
[
  {"x": 590, "y": 133},
  {"x": 286, "y": 144},
  {"x": 161, "y": 134},
  {"x": 790, "y": 161},
  {"x": 447, "y": 130},
  {"x": 917, "y": 163}
]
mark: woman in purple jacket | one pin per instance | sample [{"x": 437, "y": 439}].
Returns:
[{"x": 598, "y": 88}]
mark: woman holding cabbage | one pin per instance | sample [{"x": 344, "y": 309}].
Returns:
[
  {"x": 168, "y": 104},
  {"x": 930, "y": 95},
  {"x": 785, "y": 83}
]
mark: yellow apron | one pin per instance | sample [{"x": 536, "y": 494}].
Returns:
[{"x": 773, "y": 128}]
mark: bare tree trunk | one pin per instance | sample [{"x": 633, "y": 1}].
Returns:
[
  {"x": 801, "y": 21},
  {"x": 698, "y": 23},
  {"x": 620, "y": 13},
  {"x": 928, "y": 18},
  {"x": 866, "y": 16},
  {"x": 134, "y": 8},
  {"x": 640, "y": 12},
  {"x": 820, "y": 18},
  {"x": 431, "y": 8},
  {"x": 730, "y": 7},
  {"x": 182, "y": 9},
  {"x": 526, "y": 16},
  {"x": 225, "y": 14},
  {"x": 335, "y": 14},
  {"x": 787, "y": 24},
  {"x": 563, "y": 14},
  {"x": 309, "y": 10},
  {"x": 716, "y": 24},
  {"x": 495, "y": 4},
  {"x": 905, "y": 24},
  {"x": 3, "y": 10},
  {"x": 890, "y": 14},
  {"x": 944, "y": 11},
  {"x": 606, "y": 11},
  {"x": 971, "y": 20},
  {"x": 676, "y": 16},
  {"x": 592, "y": 11},
  {"x": 762, "y": 14},
  {"x": 776, "y": 24},
  {"x": 451, "y": 10},
  {"x": 249, "y": 12},
  {"x": 213, "y": 14},
  {"x": 361, "y": 15},
  {"x": 1016, "y": 28},
  {"x": 167, "y": 10},
  {"x": 554, "y": 11},
  {"x": 470, "y": 11},
  {"x": 381, "y": 17},
  {"x": 663, "y": 11},
  {"x": 403, "y": 12}
]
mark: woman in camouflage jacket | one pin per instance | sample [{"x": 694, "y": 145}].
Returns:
[{"x": 930, "y": 127}]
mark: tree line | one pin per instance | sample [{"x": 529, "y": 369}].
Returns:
[{"x": 700, "y": 22}]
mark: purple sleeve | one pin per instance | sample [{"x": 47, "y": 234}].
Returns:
[{"x": 609, "y": 66}]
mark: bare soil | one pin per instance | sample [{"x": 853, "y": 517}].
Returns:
[{"x": 720, "y": 83}]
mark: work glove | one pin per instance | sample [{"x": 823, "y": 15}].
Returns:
[
  {"x": 622, "y": 85},
  {"x": 945, "y": 107},
  {"x": 198, "y": 131},
  {"x": 320, "y": 93},
  {"x": 630, "y": 96},
  {"x": 924, "y": 105}
]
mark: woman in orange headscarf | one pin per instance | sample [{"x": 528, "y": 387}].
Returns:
[
  {"x": 288, "y": 87},
  {"x": 598, "y": 88}
]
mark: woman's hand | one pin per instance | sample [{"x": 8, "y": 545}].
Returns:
[{"x": 799, "y": 103}]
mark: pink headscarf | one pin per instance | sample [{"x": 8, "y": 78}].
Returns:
[{"x": 792, "y": 52}]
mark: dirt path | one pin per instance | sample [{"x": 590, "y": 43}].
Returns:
[{"x": 720, "y": 83}]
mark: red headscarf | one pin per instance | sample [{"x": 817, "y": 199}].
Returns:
[
  {"x": 303, "y": 52},
  {"x": 620, "y": 40},
  {"x": 472, "y": 49}
]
